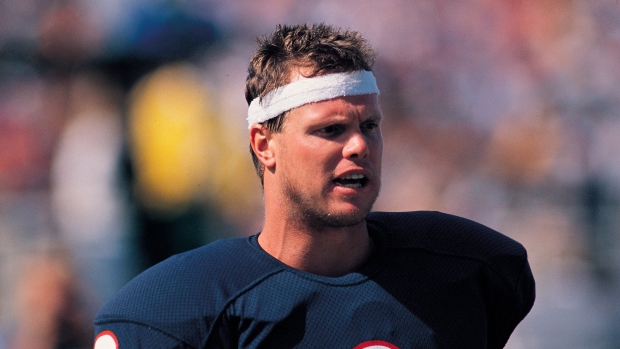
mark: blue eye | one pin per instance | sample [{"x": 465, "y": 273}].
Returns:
[
  {"x": 331, "y": 130},
  {"x": 370, "y": 125}
]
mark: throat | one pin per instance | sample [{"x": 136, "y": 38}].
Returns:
[{"x": 324, "y": 254}]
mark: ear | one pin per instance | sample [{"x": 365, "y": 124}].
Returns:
[{"x": 262, "y": 142}]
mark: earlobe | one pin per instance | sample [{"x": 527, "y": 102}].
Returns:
[{"x": 262, "y": 144}]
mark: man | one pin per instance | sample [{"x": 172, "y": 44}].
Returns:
[{"x": 324, "y": 272}]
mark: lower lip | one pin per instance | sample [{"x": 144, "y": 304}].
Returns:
[{"x": 350, "y": 191}]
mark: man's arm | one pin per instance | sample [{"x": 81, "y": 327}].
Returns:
[{"x": 131, "y": 335}]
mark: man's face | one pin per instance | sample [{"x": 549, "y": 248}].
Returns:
[{"x": 328, "y": 160}]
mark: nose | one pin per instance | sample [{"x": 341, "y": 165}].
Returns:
[{"x": 356, "y": 146}]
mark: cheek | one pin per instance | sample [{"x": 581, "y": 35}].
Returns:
[
  {"x": 303, "y": 162},
  {"x": 317, "y": 156},
  {"x": 377, "y": 148}
]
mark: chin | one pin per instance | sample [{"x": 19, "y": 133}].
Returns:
[
  {"x": 331, "y": 211},
  {"x": 340, "y": 221},
  {"x": 343, "y": 218}
]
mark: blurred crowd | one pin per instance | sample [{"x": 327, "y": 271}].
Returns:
[{"x": 123, "y": 141}]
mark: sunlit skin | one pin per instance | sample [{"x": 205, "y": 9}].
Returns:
[{"x": 313, "y": 221}]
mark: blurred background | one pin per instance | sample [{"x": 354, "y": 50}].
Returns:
[{"x": 123, "y": 141}]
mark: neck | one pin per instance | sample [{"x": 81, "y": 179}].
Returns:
[{"x": 333, "y": 251}]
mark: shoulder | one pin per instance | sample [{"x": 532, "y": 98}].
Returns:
[
  {"x": 456, "y": 238},
  {"x": 497, "y": 264},
  {"x": 194, "y": 268},
  {"x": 444, "y": 233},
  {"x": 189, "y": 288}
]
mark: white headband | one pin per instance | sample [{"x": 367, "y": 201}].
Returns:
[{"x": 310, "y": 90}]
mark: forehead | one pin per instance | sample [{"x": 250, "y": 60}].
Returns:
[{"x": 340, "y": 109}]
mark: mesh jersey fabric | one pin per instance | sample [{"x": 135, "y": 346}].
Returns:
[{"x": 434, "y": 281}]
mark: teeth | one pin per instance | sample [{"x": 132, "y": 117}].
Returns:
[
  {"x": 351, "y": 181},
  {"x": 354, "y": 176}
]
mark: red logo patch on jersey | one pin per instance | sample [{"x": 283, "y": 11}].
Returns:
[
  {"x": 106, "y": 340},
  {"x": 376, "y": 345}
]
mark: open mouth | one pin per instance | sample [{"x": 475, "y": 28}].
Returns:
[{"x": 351, "y": 181}]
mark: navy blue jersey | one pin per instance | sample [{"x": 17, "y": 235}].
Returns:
[{"x": 434, "y": 281}]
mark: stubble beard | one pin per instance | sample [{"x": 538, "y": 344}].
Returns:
[{"x": 310, "y": 213}]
